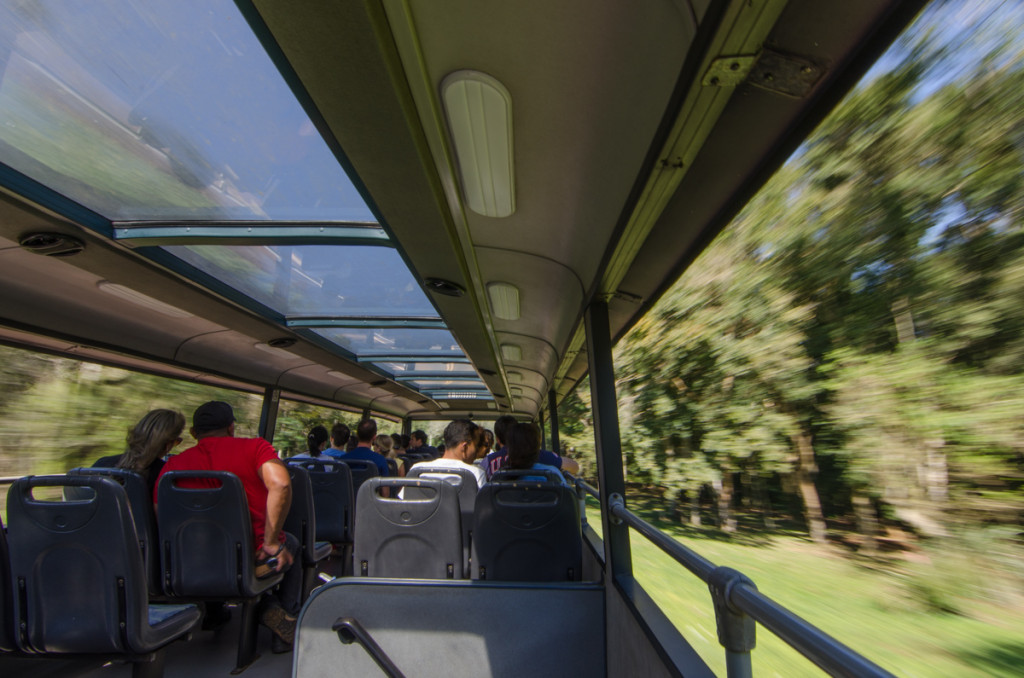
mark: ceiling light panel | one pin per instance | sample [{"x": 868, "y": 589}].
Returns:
[
  {"x": 479, "y": 112},
  {"x": 504, "y": 300},
  {"x": 512, "y": 352}
]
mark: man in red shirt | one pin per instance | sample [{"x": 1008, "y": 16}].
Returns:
[{"x": 268, "y": 489}]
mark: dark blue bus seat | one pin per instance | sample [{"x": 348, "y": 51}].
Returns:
[
  {"x": 140, "y": 499},
  {"x": 362, "y": 471},
  {"x": 7, "y": 639},
  {"x": 81, "y": 587},
  {"x": 206, "y": 547},
  {"x": 334, "y": 503},
  {"x": 529, "y": 475},
  {"x": 333, "y": 498},
  {"x": 419, "y": 536},
  {"x": 454, "y": 629},
  {"x": 527, "y": 532},
  {"x": 301, "y": 522}
]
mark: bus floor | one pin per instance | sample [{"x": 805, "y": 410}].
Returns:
[{"x": 208, "y": 654}]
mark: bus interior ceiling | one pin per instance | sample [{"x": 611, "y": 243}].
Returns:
[{"x": 510, "y": 166}]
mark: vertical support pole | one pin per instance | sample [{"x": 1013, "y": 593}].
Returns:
[
  {"x": 607, "y": 440},
  {"x": 543, "y": 434},
  {"x": 366, "y": 414},
  {"x": 268, "y": 413},
  {"x": 406, "y": 426},
  {"x": 556, "y": 446}
]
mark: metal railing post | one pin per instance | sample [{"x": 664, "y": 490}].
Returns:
[{"x": 736, "y": 629}]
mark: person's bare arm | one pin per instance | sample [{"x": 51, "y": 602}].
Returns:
[
  {"x": 274, "y": 475},
  {"x": 570, "y": 465}
]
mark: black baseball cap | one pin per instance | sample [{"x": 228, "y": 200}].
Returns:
[{"x": 212, "y": 416}]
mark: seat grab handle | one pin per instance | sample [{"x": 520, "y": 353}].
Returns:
[{"x": 350, "y": 631}]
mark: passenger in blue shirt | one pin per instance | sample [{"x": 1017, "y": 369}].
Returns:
[
  {"x": 365, "y": 433},
  {"x": 418, "y": 444},
  {"x": 339, "y": 438}
]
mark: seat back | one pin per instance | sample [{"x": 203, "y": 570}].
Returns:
[
  {"x": 7, "y": 639},
  {"x": 362, "y": 470},
  {"x": 413, "y": 537},
  {"x": 333, "y": 498},
  {"x": 465, "y": 482},
  {"x": 77, "y": 567},
  {"x": 528, "y": 475},
  {"x": 527, "y": 532},
  {"x": 140, "y": 499},
  {"x": 301, "y": 519},
  {"x": 206, "y": 539}
]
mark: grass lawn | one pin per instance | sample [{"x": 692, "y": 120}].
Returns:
[{"x": 867, "y": 607}]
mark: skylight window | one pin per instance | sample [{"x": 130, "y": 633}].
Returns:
[
  {"x": 317, "y": 280},
  {"x": 161, "y": 110}
]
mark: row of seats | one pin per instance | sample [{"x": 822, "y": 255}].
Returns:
[
  {"x": 197, "y": 548},
  {"x": 520, "y": 531},
  {"x": 336, "y": 485},
  {"x": 106, "y": 531}
]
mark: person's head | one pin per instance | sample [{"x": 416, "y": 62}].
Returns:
[
  {"x": 460, "y": 440},
  {"x": 486, "y": 443},
  {"x": 405, "y": 442},
  {"x": 384, "y": 445},
  {"x": 352, "y": 443},
  {"x": 501, "y": 427},
  {"x": 366, "y": 431},
  {"x": 155, "y": 435},
  {"x": 417, "y": 439},
  {"x": 523, "y": 445},
  {"x": 212, "y": 419},
  {"x": 317, "y": 440},
  {"x": 340, "y": 435}
]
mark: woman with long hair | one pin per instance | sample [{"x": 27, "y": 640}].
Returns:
[
  {"x": 524, "y": 449},
  {"x": 151, "y": 439}
]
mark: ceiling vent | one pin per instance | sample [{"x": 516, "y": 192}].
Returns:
[
  {"x": 281, "y": 342},
  {"x": 52, "y": 244},
  {"x": 445, "y": 287}
]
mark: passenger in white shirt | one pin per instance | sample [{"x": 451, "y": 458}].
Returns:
[{"x": 462, "y": 438}]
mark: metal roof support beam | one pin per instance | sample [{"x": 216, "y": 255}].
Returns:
[
  {"x": 617, "y": 558},
  {"x": 553, "y": 421},
  {"x": 268, "y": 413}
]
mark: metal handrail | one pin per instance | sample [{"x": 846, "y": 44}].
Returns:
[{"x": 738, "y": 604}]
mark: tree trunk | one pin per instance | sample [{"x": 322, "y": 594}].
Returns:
[
  {"x": 764, "y": 502},
  {"x": 694, "y": 497},
  {"x": 867, "y": 522},
  {"x": 806, "y": 470},
  {"x": 726, "y": 521},
  {"x": 904, "y": 320}
]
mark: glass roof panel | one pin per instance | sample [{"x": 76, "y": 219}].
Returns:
[
  {"x": 459, "y": 395},
  {"x": 413, "y": 369},
  {"x": 436, "y": 384},
  {"x": 318, "y": 280},
  {"x": 161, "y": 110},
  {"x": 396, "y": 341}
]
